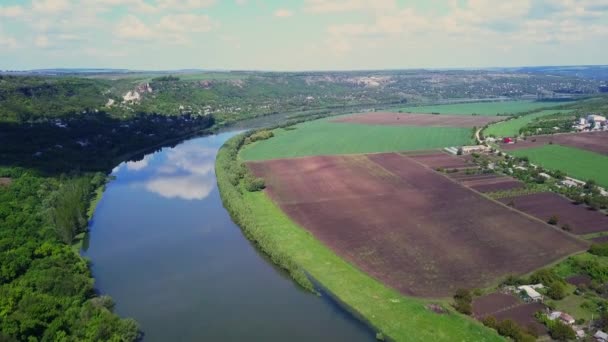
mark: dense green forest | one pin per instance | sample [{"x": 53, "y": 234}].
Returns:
[
  {"x": 46, "y": 289},
  {"x": 93, "y": 142}
]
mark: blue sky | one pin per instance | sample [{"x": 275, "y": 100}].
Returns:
[{"x": 301, "y": 34}]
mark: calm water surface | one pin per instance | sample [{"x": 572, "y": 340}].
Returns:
[{"x": 165, "y": 249}]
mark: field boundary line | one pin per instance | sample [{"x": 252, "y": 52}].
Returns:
[{"x": 504, "y": 205}]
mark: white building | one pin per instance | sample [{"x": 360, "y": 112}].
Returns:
[
  {"x": 531, "y": 292},
  {"x": 601, "y": 336},
  {"x": 592, "y": 118},
  {"x": 474, "y": 148},
  {"x": 569, "y": 183}
]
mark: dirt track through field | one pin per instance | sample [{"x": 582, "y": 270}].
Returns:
[
  {"x": 414, "y": 119},
  {"x": 443, "y": 160},
  {"x": 591, "y": 141},
  {"x": 407, "y": 225}
]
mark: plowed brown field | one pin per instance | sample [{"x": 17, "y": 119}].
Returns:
[
  {"x": 490, "y": 304},
  {"x": 525, "y": 316},
  {"x": 407, "y": 225},
  {"x": 401, "y": 119},
  {"x": 497, "y": 183},
  {"x": 443, "y": 160},
  {"x": 580, "y": 218},
  {"x": 504, "y": 306}
]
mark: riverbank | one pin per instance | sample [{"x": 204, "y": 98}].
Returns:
[{"x": 391, "y": 314}]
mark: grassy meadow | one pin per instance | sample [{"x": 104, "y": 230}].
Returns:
[
  {"x": 511, "y": 127},
  {"x": 322, "y": 137},
  {"x": 577, "y": 163},
  {"x": 480, "y": 108}
]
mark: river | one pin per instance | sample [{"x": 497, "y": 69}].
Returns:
[{"x": 163, "y": 246}]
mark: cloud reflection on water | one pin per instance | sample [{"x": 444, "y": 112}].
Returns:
[
  {"x": 140, "y": 164},
  {"x": 185, "y": 172}
]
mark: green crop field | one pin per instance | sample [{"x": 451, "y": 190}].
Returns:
[
  {"x": 577, "y": 163},
  {"x": 481, "y": 108},
  {"x": 511, "y": 128},
  {"x": 321, "y": 137}
]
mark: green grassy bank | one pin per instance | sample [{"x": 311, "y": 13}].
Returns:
[
  {"x": 322, "y": 137},
  {"x": 397, "y": 317},
  {"x": 577, "y": 163},
  {"x": 511, "y": 128}
]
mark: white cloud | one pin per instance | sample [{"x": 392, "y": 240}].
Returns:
[
  {"x": 51, "y": 6},
  {"x": 131, "y": 27},
  {"x": 184, "y": 23},
  {"x": 7, "y": 42},
  {"x": 11, "y": 11},
  {"x": 477, "y": 22},
  {"x": 179, "y": 5},
  {"x": 283, "y": 13},
  {"x": 42, "y": 42},
  {"x": 335, "y": 6},
  {"x": 170, "y": 29}
]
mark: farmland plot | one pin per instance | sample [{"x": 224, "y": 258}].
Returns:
[
  {"x": 396, "y": 219},
  {"x": 490, "y": 304},
  {"x": 574, "y": 162},
  {"x": 322, "y": 137},
  {"x": 579, "y": 218},
  {"x": 493, "y": 184},
  {"x": 413, "y": 119},
  {"x": 505, "y": 306},
  {"x": 591, "y": 141},
  {"x": 481, "y": 108},
  {"x": 443, "y": 160}
]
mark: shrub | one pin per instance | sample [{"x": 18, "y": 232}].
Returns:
[
  {"x": 561, "y": 332},
  {"x": 253, "y": 184},
  {"x": 463, "y": 307},
  {"x": 508, "y": 328},
  {"x": 600, "y": 249},
  {"x": 462, "y": 301},
  {"x": 490, "y": 322},
  {"x": 545, "y": 276},
  {"x": 463, "y": 294},
  {"x": 557, "y": 291},
  {"x": 513, "y": 280},
  {"x": 259, "y": 135},
  {"x": 553, "y": 220}
]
